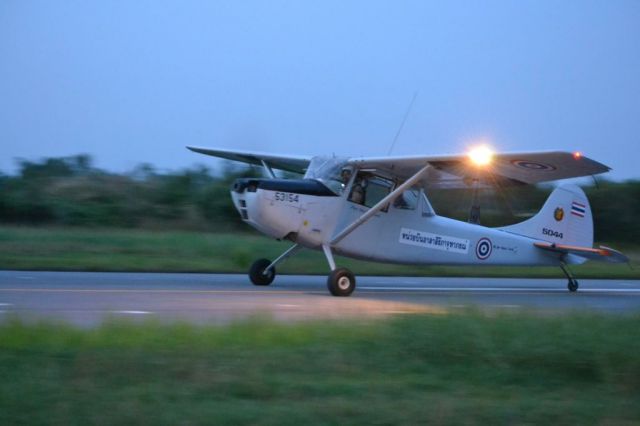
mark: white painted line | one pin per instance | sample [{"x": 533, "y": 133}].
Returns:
[
  {"x": 25, "y": 278},
  {"x": 285, "y": 305},
  {"x": 133, "y": 312},
  {"x": 504, "y": 289},
  {"x": 6, "y": 304}
]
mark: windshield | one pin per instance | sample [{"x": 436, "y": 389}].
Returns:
[{"x": 331, "y": 171}]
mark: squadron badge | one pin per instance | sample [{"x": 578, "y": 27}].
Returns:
[{"x": 558, "y": 214}]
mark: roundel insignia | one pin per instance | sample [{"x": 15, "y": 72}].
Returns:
[
  {"x": 483, "y": 248},
  {"x": 558, "y": 214},
  {"x": 532, "y": 165}
]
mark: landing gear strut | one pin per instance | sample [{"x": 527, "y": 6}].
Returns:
[
  {"x": 341, "y": 281},
  {"x": 572, "y": 285}
]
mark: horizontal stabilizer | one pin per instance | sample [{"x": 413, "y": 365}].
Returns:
[{"x": 603, "y": 254}]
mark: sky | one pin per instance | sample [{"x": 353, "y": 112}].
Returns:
[{"x": 132, "y": 82}]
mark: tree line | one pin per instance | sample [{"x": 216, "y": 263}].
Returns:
[{"x": 70, "y": 191}]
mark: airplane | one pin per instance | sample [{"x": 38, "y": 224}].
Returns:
[{"x": 377, "y": 209}]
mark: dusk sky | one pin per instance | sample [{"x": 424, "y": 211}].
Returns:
[{"x": 135, "y": 81}]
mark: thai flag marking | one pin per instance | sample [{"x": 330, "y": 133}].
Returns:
[{"x": 578, "y": 209}]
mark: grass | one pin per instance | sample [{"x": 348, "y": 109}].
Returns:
[
  {"x": 171, "y": 251},
  {"x": 465, "y": 368}
]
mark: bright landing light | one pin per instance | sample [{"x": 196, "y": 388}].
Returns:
[{"x": 481, "y": 155}]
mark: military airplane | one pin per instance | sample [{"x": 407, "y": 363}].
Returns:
[{"x": 377, "y": 209}]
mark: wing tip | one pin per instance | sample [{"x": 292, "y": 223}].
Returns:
[
  {"x": 199, "y": 149},
  {"x": 194, "y": 148}
]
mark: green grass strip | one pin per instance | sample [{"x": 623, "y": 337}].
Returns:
[
  {"x": 465, "y": 368},
  {"x": 171, "y": 251}
]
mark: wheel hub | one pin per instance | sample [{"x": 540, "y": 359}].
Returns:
[{"x": 344, "y": 283}]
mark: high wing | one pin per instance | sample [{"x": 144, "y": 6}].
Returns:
[
  {"x": 291, "y": 163},
  {"x": 455, "y": 171},
  {"x": 602, "y": 253},
  {"x": 447, "y": 171}
]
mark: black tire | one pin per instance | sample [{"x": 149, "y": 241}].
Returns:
[
  {"x": 257, "y": 275},
  {"x": 573, "y": 286},
  {"x": 341, "y": 282}
]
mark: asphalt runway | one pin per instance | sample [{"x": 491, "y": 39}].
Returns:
[{"x": 87, "y": 298}]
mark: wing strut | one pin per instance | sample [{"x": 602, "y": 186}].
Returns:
[
  {"x": 268, "y": 169},
  {"x": 380, "y": 205}
]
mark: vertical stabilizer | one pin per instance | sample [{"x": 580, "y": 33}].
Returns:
[{"x": 565, "y": 218}]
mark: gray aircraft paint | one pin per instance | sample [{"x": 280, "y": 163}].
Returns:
[{"x": 314, "y": 220}]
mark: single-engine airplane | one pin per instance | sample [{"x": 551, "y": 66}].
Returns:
[{"x": 377, "y": 209}]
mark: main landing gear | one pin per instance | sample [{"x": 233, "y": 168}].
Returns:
[
  {"x": 263, "y": 271},
  {"x": 259, "y": 274},
  {"x": 341, "y": 282},
  {"x": 572, "y": 285}
]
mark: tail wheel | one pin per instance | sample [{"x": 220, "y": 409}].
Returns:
[
  {"x": 341, "y": 282},
  {"x": 257, "y": 273},
  {"x": 573, "y": 285}
]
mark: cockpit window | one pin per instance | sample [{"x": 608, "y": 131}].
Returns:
[
  {"x": 369, "y": 189},
  {"x": 333, "y": 172},
  {"x": 376, "y": 189},
  {"x": 408, "y": 200}
]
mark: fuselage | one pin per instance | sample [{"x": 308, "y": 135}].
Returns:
[{"x": 308, "y": 213}]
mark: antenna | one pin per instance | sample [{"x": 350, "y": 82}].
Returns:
[{"x": 404, "y": 119}]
